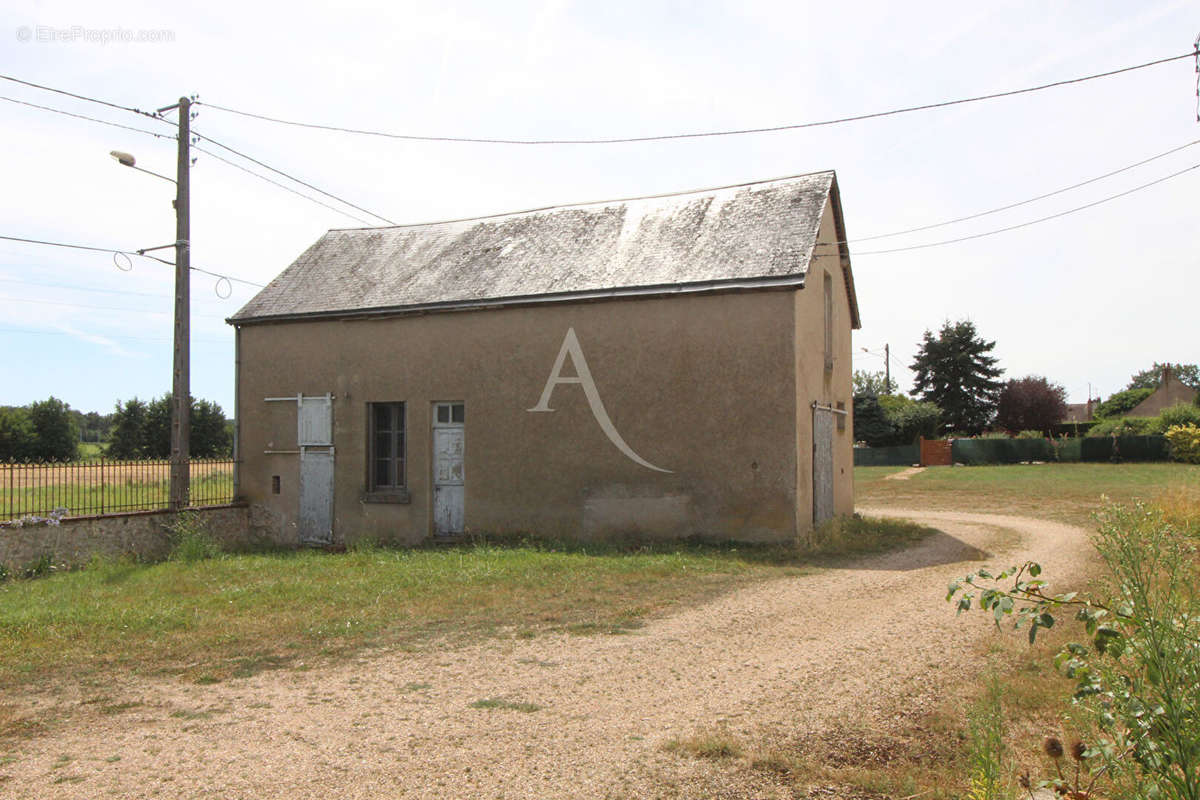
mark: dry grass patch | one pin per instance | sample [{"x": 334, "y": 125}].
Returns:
[{"x": 714, "y": 745}]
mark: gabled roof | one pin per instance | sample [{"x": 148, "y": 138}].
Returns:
[{"x": 755, "y": 235}]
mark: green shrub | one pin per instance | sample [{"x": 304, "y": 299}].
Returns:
[
  {"x": 1137, "y": 682},
  {"x": 994, "y": 435},
  {"x": 1182, "y": 414},
  {"x": 1121, "y": 403},
  {"x": 1185, "y": 443},
  {"x": 1123, "y": 426},
  {"x": 1031, "y": 435},
  {"x": 190, "y": 539}
]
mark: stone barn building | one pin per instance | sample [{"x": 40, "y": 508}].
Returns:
[{"x": 655, "y": 367}]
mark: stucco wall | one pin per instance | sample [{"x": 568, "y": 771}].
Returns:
[
  {"x": 699, "y": 385},
  {"x": 143, "y": 535},
  {"x": 815, "y": 383}
]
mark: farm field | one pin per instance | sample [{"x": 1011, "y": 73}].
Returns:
[{"x": 100, "y": 487}]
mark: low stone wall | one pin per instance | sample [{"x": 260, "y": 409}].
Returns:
[{"x": 144, "y": 535}]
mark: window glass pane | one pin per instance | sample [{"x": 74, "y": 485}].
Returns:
[
  {"x": 400, "y": 417},
  {"x": 383, "y": 445},
  {"x": 458, "y": 412},
  {"x": 383, "y": 417},
  {"x": 443, "y": 413},
  {"x": 381, "y": 472}
]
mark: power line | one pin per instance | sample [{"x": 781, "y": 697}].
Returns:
[
  {"x": 89, "y": 119},
  {"x": 126, "y": 253},
  {"x": 125, "y": 309},
  {"x": 1030, "y": 222},
  {"x": 664, "y": 137},
  {"x": 290, "y": 177},
  {"x": 79, "y": 96},
  {"x": 213, "y": 141},
  {"x": 89, "y": 289},
  {"x": 101, "y": 335},
  {"x": 1023, "y": 202},
  {"x": 281, "y": 186}
]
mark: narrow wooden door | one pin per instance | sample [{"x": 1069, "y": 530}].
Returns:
[
  {"x": 822, "y": 464},
  {"x": 314, "y": 434},
  {"x": 449, "y": 474}
]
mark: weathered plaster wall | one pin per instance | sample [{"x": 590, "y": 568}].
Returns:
[
  {"x": 701, "y": 385},
  {"x": 815, "y": 382}
]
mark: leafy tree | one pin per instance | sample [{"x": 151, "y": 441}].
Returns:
[
  {"x": 1031, "y": 403},
  {"x": 956, "y": 374},
  {"x": 1121, "y": 403},
  {"x": 128, "y": 430},
  {"x": 871, "y": 424},
  {"x": 143, "y": 430},
  {"x": 872, "y": 384},
  {"x": 156, "y": 434},
  {"x": 211, "y": 435},
  {"x": 1188, "y": 374},
  {"x": 16, "y": 434},
  {"x": 893, "y": 420},
  {"x": 911, "y": 419},
  {"x": 57, "y": 436}
]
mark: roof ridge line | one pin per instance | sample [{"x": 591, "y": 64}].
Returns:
[{"x": 586, "y": 203}]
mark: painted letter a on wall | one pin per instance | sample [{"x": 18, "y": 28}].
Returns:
[{"x": 583, "y": 376}]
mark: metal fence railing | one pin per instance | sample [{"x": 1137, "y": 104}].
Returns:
[{"x": 87, "y": 488}]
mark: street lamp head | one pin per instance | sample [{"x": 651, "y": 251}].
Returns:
[{"x": 125, "y": 159}]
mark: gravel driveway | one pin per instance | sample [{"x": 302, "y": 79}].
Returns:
[{"x": 796, "y": 654}]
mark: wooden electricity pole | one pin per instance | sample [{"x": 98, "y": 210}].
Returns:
[{"x": 181, "y": 398}]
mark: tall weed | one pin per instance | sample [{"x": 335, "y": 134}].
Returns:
[{"x": 191, "y": 540}]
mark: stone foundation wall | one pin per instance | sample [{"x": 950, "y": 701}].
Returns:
[{"x": 144, "y": 535}]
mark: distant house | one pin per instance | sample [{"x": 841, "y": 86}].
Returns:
[
  {"x": 1081, "y": 412},
  {"x": 1170, "y": 392},
  {"x": 656, "y": 367}
]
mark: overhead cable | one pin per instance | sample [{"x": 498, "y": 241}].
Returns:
[
  {"x": 1030, "y": 222},
  {"x": 79, "y": 96},
  {"x": 290, "y": 177},
  {"x": 1010, "y": 206},
  {"x": 703, "y": 134},
  {"x": 282, "y": 186},
  {"x": 126, "y": 253},
  {"x": 89, "y": 119}
]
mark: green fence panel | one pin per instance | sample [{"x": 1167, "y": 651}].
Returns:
[
  {"x": 1070, "y": 449},
  {"x": 900, "y": 456},
  {"x": 1001, "y": 451},
  {"x": 1126, "y": 448}
]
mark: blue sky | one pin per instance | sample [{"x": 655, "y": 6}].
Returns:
[{"x": 1088, "y": 298}]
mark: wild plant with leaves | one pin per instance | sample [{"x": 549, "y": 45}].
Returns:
[{"x": 1137, "y": 681}]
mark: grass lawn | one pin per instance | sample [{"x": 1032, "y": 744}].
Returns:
[
  {"x": 1063, "y": 492},
  {"x": 236, "y": 614}
]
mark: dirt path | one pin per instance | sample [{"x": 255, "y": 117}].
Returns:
[{"x": 793, "y": 654}]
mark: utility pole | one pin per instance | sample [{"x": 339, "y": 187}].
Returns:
[
  {"x": 181, "y": 398},
  {"x": 887, "y": 368}
]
